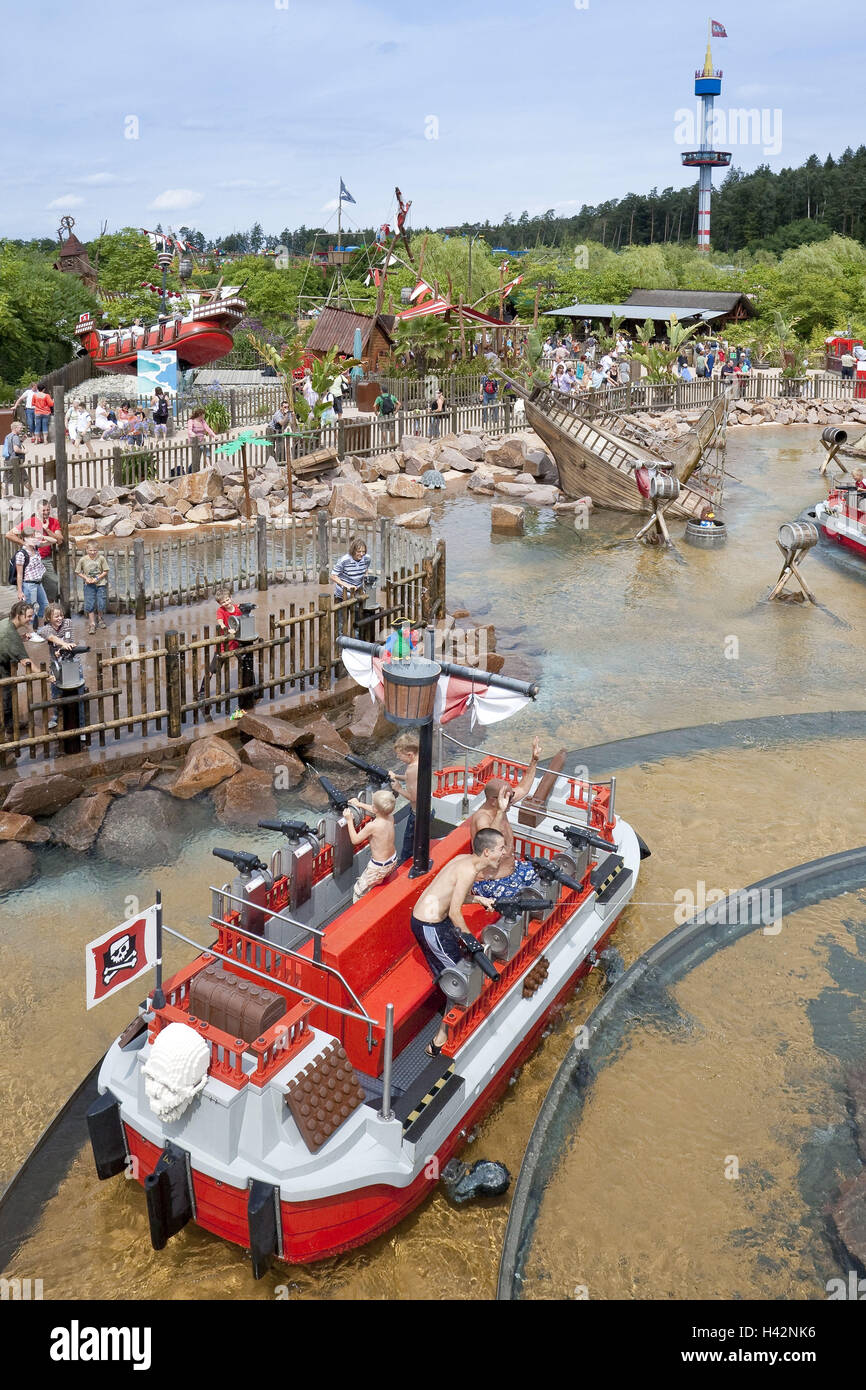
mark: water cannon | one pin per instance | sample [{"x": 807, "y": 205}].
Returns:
[
  {"x": 292, "y": 829},
  {"x": 547, "y": 870},
  {"x": 476, "y": 951},
  {"x": 515, "y": 907},
  {"x": 380, "y": 775},
  {"x": 244, "y": 861},
  {"x": 581, "y": 837},
  {"x": 242, "y": 625}
]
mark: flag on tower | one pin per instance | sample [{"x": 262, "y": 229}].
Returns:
[
  {"x": 345, "y": 195},
  {"x": 718, "y": 30}
]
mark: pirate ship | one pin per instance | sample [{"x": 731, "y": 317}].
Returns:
[
  {"x": 841, "y": 520},
  {"x": 277, "y": 1091},
  {"x": 202, "y": 335}
]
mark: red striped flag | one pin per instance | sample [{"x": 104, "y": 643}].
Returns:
[{"x": 718, "y": 30}]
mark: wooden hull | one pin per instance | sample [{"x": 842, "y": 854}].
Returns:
[
  {"x": 583, "y": 473},
  {"x": 196, "y": 344}
]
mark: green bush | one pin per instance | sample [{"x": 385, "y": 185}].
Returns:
[
  {"x": 216, "y": 413},
  {"x": 137, "y": 466}
]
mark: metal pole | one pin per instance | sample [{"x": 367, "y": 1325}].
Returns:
[
  {"x": 387, "y": 1059},
  {"x": 612, "y": 798},
  {"x": 421, "y": 848},
  {"x": 158, "y": 998}
]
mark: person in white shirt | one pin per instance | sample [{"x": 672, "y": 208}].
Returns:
[
  {"x": 606, "y": 362},
  {"x": 78, "y": 423},
  {"x": 335, "y": 393},
  {"x": 309, "y": 395},
  {"x": 27, "y": 398}
]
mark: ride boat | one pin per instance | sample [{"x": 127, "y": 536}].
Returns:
[
  {"x": 841, "y": 520},
  {"x": 277, "y": 1091},
  {"x": 202, "y": 335}
]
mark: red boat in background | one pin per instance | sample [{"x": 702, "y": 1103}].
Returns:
[{"x": 201, "y": 336}]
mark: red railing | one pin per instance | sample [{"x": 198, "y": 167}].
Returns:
[
  {"x": 449, "y": 781},
  {"x": 226, "y": 1052},
  {"x": 288, "y": 1036}
]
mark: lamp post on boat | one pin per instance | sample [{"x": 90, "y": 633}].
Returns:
[{"x": 164, "y": 260}]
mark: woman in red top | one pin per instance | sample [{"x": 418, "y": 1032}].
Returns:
[{"x": 42, "y": 407}]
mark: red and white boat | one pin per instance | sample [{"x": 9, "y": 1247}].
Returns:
[
  {"x": 331, "y": 1125},
  {"x": 841, "y": 520},
  {"x": 202, "y": 335}
]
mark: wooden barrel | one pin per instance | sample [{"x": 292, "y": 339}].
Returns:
[
  {"x": 833, "y": 435},
  {"x": 665, "y": 485},
  {"x": 706, "y": 537},
  {"x": 798, "y": 535}
]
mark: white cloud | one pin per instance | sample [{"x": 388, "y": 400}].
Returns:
[
  {"x": 68, "y": 200},
  {"x": 176, "y": 200},
  {"x": 331, "y": 206}
]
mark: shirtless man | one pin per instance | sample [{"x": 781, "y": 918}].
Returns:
[
  {"x": 513, "y": 875},
  {"x": 438, "y": 919}
]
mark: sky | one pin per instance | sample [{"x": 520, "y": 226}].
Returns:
[{"x": 220, "y": 113}]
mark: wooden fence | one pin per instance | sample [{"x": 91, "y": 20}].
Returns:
[
  {"x": 688, "y": 395},
  {"x": 177, "y": 682}
]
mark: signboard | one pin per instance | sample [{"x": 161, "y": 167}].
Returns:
[
  {"x": 157, "y": 369},
  {"x": 119, "y": 956}
]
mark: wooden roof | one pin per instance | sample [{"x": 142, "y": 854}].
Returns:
[
  {"x": 335, "y": 328},
  {"x": 724, "y": 301}
]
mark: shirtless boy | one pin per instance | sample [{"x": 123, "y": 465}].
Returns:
[
  {"x": 512, "y": 875},
  {"x": 438, "y": 918},
  {"x": 406, "y": 749},
  {"x": 380, "y": 832}
]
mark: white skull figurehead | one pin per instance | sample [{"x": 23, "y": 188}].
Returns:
[{"x": 175, "y": 1071}]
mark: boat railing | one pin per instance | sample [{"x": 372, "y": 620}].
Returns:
[{"x": 594, "y": 798}]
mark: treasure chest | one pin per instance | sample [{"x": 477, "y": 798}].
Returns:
[{"x": 239, "y": 1007}]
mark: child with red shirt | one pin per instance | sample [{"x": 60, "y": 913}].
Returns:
[{"x": 226, "y": 610}]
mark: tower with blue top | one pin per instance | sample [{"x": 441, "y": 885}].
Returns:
[{"x": 708, "y": 85}]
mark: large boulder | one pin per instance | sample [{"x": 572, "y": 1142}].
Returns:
[
  {"x": 125, "y": 527},
  {"x": 415, "y": 521},
  {"x": 325, "y": 747},
  {"x": 17, "y": 866},
  {"x": 453, "y": 458},
  {"x": 143, "y": 829},
  {"x": 43, "y": 795},
  {"x": 274, "y": 731},
  {"x": 281, "y": 764},
  {"x": 508, "y": 453},
  {"x": 508, "y": 519},
  {"x": 481, "y": 482},
  {"x": 352, "y": 500},
  {"x": 470, "y": 447},
  {"x": 79, "y": 823},
  {"x": 368, "y": 725},
  {"x": 385, "y": 465},
  {"x": 22, "y": 829},
  {"x": 203, "y": 511},
  {"x": 81, "y": 497},
  {"x": 209, "y": 761},
  {"x": 417, "y": 456},
  {"x": 148, "y": 492},
  {"x": 199, "y": 487},
  {"x": 542, "y": 496},
  {"x": 402, "y": 486},
  {"x": 246, "y": 798},
  {"x": 514, "y": 489}
]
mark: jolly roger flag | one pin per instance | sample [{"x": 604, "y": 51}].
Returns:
[{"x": 120, "y": 956}]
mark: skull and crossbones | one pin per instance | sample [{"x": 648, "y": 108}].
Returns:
[{"x": 121, "y": 955}]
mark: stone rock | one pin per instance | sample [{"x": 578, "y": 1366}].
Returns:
[
  {"x": 17, "y": 866},
  {"x": 148, "y": 492},
  {"x": 416, "y": 458},
  {"x": 452, "y": 458},
  {"x": 148, "y": 518},
  {"x": 200, "y": 487},
  {"x": 369, "y": 471},
  {"x": 125, "y": 527},
  {"x": 542, "y": 496},
  {"x": 528, "y": 478},
  {"x": 368, "y": 725},
  {"x": 202, "y": 512},
  {"x": 80, "y": 526},
  {"x": 508, "y": 519},
  {"x": 143, "y": 828},
  {"x": 227, "y": 513},
  {"x": 246, "y": 798},
  {"x": 43, "y": 795},
  {"x": 514, "y": 489},
  {"x": 261, "y": 507},
  {"x": 165, "y": 516},
  {"x": 415, "y": 521},
  {"x": 401, "y": 486},
  {"x": 385, "y": 465},
  {"x": 79, "y": 823},
  {"x": 302, "y": 503},
  {"x": 279, "y": 762},
  {"x": 481, "y": 482},
  {"x": 325, "y": 747},
  {"x": 209, "y": 761},
  {"x": 494, "y": 662},
  {"x": 470, "y": 447},
  {"x": 110, "y": 494},
  {"x": 81, "y": 497},
  {"x": 267, "y": 729},
  {"x": 581, "y": 504},
  {"x": 22, "y": 828},
  {"x": 182, "y": 506},
  {"x": 745, "y": 406},
  {"x": 351, "y": 500}
]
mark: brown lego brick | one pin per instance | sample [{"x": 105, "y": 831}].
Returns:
[
  {"x": 239, "y": 1007},
  {"x": 536, "y": 976},
  {"x": 323, "y": 1095}
]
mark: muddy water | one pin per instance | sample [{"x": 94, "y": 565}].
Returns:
[
  {"x": 625, "y": 641},
  {"x": 710, "y": 1148}
]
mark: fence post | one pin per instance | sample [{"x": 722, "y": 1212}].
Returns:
[
  {"x": 233, "y": 414},
  {"x": 387, "y": 537},
  {"x": 341, "y": 438},
  {"x": 172, "y": 681},
  {"x": 138, "y": 577},
  {"x": 427, "y": 608},
  {"x": 65, "y": 557},
  {"x": 117, "y": 465},
  {"x": 195, "y": 463},
  {"x": 507, "y": 404},
  {"x": 323, "y": 554},
  {"x": 262, "y": 552},
  {"x": 326, "y": 656}
]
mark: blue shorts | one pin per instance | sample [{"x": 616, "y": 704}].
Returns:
[
  {"x": 523, "y": 876},
  {"x": 440, "y": 942},
  {"x": 41, "y": 423}
]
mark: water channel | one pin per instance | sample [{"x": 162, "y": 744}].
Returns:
[{"x": 625, "y": 641}]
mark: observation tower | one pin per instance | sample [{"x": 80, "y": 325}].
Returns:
[{"x": 708, "y": 85}]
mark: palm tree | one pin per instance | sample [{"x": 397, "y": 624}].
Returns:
[{"x": 658, "y": 358}]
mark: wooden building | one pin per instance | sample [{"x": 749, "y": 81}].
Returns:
[
  {"x": 335, "y": 328},
  {"x": 73, "y": 258}
]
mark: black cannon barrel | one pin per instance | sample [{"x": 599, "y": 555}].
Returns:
[
  {"x": 380, "y": 774},
  {"x": 579, "y": 835},
  {"x": 548, "y": 870},
  {"x": 463, "y": 673},
  {"x": 241, "y": 858},
  {"x": 476, "y": 950},
  {"x": 293, "y": 829},
  {"x": 513, "y": 907}
]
